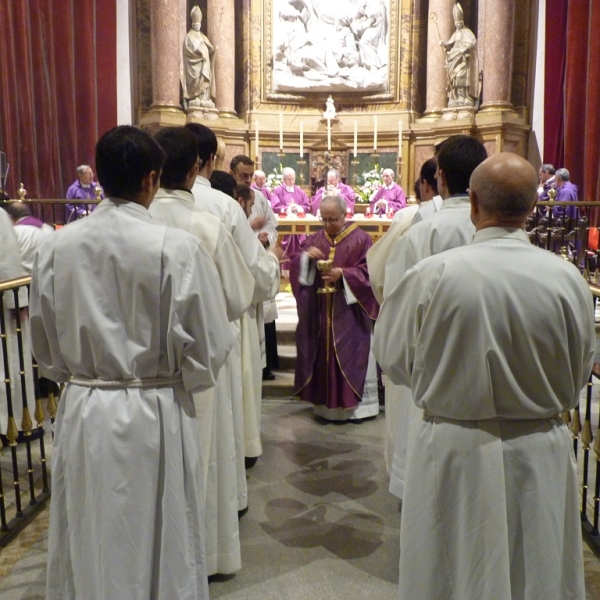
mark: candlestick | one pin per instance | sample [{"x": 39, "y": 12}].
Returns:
[
  {"x": 256, "y": 138},
  {"x": 301, "y": 164},
  {"x": 400, "y": 139},
  {"x": 328, "y": 134},
  {"x": 281, "y": 132},
  {"x": 301, "y": 139},
  {"x": 374, "y": 134},
  {"x": 355, "y": 138},
  {"x": 354, "y": 164}
]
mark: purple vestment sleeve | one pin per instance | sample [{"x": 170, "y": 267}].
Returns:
[{"x": 265, "y": 192}]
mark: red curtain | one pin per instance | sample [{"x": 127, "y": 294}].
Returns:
[
  {"x": 58, "y": 92},
  {"x": 572, "y": 95}
]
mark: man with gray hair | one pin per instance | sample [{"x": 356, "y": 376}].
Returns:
[
  {"x": 288, "y": 200},
  {"x": 389, "y": 198},
  {"x": 335, "y": 368},
  {"x": 260, "y": 178},
  {"x": 334, "y": 187},
  {"x": 567, "y": 192},
  {"x": 83, "y": 188},
  {"x": 495, "y": 339}
]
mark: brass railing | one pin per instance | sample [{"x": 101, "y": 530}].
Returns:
[
  {"x": 26, "y": 457},
  {"x": 55, "y": 212}
]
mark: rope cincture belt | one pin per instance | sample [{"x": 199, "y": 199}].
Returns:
[
  {"x": 128, "y": 383},
  {"x": 428, "y": 415}
]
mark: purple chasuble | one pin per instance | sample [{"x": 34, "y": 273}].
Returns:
[
  {"x": 265, "y": 192},
  {"x": 333, "y": 338},
  {"x": 567, "y": 193},
  {"x": 77, "y": 192},
  {"x": 280, "y": 200},
  {"x": 343, "y": 190},
  {"x": 32, "y": 221},
  {"x": 394, "y": 196}
]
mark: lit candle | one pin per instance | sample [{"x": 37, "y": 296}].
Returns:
[
  {"x": 355, "y": 138},
  {"x": 399, "y": 139},
  {"x": 328, "y": 134},
  {"x": 375, "y": 133},
  {"x": 281, "y": 132},
  {"x": 301, "y": 139},
  {"x": 256, "y": 138}
]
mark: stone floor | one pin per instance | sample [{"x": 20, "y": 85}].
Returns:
[{"x": 321, "y": 523}]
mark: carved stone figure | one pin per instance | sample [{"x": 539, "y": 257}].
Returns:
[
  {"x": 329, "y": 109},
  {"x": 198, "y": 63},
  {"x": 461, "y": 63}
]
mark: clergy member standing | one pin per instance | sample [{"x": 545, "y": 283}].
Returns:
[
  {"x": 389, "y": 198},
  {"x": 127, "y": 512},
  {"x": 496, "y": 340},
  {"x": 264, "y": 266},
  {"x": 289, "y": 199},
  {"x": 174, "y": 205},
  {"x": 258, "y": 183},
  {"x": 448, "y": 228},
  {"x": 335, "y": 369}
]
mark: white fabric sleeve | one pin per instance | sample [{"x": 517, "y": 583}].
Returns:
[
  {"x": 348, "y": 293},
  {"x": 308, "y": 270}
]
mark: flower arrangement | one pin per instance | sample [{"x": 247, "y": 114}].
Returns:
[
  {"x": 275, "y": 178},
  {"x": 368, "y": 183}
]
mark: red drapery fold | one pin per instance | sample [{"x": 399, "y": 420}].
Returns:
[{"x": 52, "y": 57}]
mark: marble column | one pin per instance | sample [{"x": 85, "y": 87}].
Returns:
[
  {"x": 498, "y": 49},
  {"x": 437, "y": 78},
  {"x": 221, "y": 32},
  {"x": 166, "y": 51}
]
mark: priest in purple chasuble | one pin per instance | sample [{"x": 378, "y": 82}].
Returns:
[
  {"x": 258, "y": 183},
  {"x": 290, "y": 199},
  {"x": 335, "y": 368},
  {"x": 334, "y": 187},
  {"x": 389, "y": 197}
]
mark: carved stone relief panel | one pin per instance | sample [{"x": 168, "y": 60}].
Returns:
[{"x": 330, "y": 46}]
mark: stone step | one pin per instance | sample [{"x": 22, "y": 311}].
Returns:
[
  {"x": 287, "y": 356},
  {"x": 286, "y": 334},
  {"x": 281, "y": 387}
]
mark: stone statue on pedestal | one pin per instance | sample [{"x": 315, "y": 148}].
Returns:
[
  {"x": 198, "y": 65},
  {"x": 329, "y": 109},
  {"x": 461, "y": 63}
]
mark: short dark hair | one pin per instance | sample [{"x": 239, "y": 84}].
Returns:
[
  {"x": 181, "y": 149},
  {"x": 16, "y": 209},
  {"x": 206, "y": 140},
  {"x": 417, "y": 189},
  {"x": 124, "y": 156},
  {"x": 224, "y": 182},
  {"x": 241, "y": 159},
  {"x": 244, "y": 192},
  {"x": 548, "y": 168},
  {"x": 457, "y": 157},
  {"x": 427, "y": 173}
]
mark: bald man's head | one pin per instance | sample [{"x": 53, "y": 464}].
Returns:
[{"x": 505, "y": 186}]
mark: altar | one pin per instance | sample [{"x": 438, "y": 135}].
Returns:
[{"x": 374, "y": 226}]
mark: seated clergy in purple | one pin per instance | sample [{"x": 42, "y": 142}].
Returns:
[
  {"x": 84, "y": 188},
  {"x": 291, "y": 199},
  {"x": 389, "y": 197},
  {"x": 334, "y": 187},
  {"x": 259, "y": 184},
  {"x": 567, "y": 192}
]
